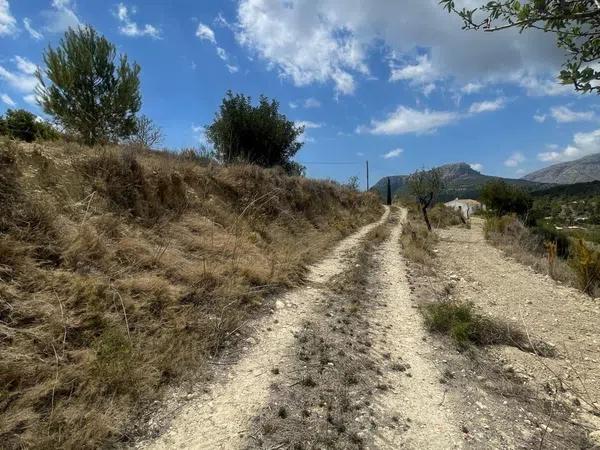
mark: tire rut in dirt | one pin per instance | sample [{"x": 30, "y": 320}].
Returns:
[{"x": 325, "y": 398}]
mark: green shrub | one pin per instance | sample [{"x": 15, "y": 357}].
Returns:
[
  {"x": 460, "y": 321},
  {"x": 25, "y": 126},
  {"x": 503, "y": 198}
]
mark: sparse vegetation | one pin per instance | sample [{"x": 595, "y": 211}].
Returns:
[
  {"x": 147, "y": 134},
  {"x": 335, "y": 370},
  {"x": 570, "y": 261},
  {"x": 88, "y": 93},
  {"x": 122, "y": 272}
]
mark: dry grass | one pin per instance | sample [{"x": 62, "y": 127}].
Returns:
[
  {"x": 121, "y": 272},
  {"x": 517, "y": 241},
  {"x": 417, "y": 242}
]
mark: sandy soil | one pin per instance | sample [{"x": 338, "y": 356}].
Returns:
[
  {"x": 221, "y": 417},
  {"x": 558, "y": 315},
  {"x": 417, "y": 395}
]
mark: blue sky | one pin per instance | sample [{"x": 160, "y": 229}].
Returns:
[{"x": 397, "y": 83}]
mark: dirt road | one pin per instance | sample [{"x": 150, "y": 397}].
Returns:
[
  {"x": 346, "y": 362},
  {"x": 225, "y": 416}
]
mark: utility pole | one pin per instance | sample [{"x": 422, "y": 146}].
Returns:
[{"x": 367, "y": 174}]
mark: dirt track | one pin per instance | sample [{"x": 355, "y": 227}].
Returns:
[{"x": 437, "y": 398}]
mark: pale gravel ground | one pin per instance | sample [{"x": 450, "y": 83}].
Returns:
[
  {"x": 563, "y": 316},
  {"x": 420, "y": 398},
  {"x": 221, "y": 418}
]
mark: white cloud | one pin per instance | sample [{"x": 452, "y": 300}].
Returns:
[
  {"x": 583, "y": 144},
  {"x": 205, "y": 33},
  {"x": 24, "y": 65},
  {"x": 222, "y": 53},
  {"x": 18, "y": 80},
  {"x": 7, "y": 100},
  {"x": 421, "y": 72},
  {"x": 61, "y": 17},
  {"x": 32, "y": 32},
  {"x": 8, "y": 24},
  {"x": 293, "y": 105},
  {"x": 328, "y": 41},
  {"x": 539, "y": 118},
  {"x": 312, "y": 103},
  {"x": 471, "y": 88},
  {"x": 307, "y": 124},
  {"x": 31, "y": 99},
  {"x": 537, "y": 86},
  {"x": 232, "y": 68},
  {"x": 392, "y": 153},
  {"x": 303, "y": 42},
  {"x": 487, "y": 106},
  {"x": 406, "y": 120},
  {"x": 132, "y": 29},
  {"x": 564, "y": 114},
  {"x": 476, "y": 166},
  {"x": 520, "y": 172},
  {"x": 199, "y": 132},
  {"x": 514, "y": 160}
]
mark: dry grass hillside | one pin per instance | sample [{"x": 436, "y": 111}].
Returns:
[{"x": 123, "y": 271}]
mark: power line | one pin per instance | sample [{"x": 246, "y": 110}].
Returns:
[{"x": 330, "y": 163}]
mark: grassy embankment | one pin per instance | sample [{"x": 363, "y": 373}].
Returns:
[{"x": 122, "y": 272}]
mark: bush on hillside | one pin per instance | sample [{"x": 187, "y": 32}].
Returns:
[
  {"x": 89, "y": 93},
  {"x": 502, "y": 198},
  {"x": 25, "y": 126},
  {"x": 258, "y": 134}
]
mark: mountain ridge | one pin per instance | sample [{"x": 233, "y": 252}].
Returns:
[
  {"x": 460, "y": 180},
  {"x": 582, "y": 170}
]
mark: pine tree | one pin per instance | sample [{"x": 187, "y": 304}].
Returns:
[{"x": 87, "y": 91}]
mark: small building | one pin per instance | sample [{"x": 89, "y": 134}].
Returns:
[{"x": 467, "y": 207}]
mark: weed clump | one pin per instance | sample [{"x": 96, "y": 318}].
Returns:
[{"x": 465, "y": 326}]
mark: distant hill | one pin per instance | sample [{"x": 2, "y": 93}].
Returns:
[
  {"x": 575, "y": 191},
  {"x": 581, "y": 170},
  {"x": 460, "y": 180}
]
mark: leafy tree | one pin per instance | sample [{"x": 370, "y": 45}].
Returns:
[
  {"x": 87, "y": 91},
  {"x": 147, "y": 134},
  {"x": 504, "y": 198},
  {"x": 425, "y": 185},
  {"x": 576, "y": 24},
  {"x": 255, "y": 134}
]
